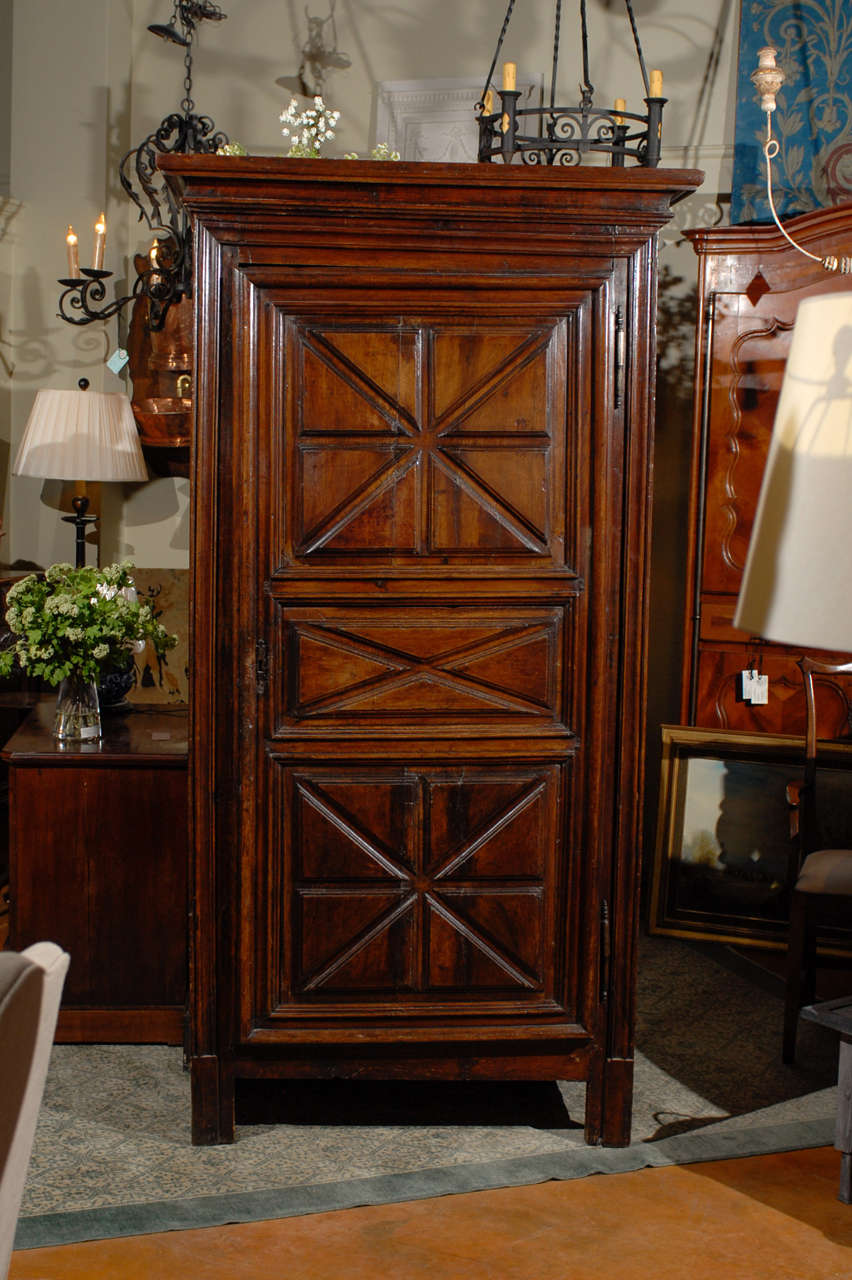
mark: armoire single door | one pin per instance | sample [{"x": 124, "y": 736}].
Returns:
[
  {"x": 421, "y": 487},
  {"x": 420, "y": 727}
]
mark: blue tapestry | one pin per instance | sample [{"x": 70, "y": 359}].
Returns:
[{"x": 813, "y": 120}]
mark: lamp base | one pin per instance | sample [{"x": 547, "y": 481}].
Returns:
[{"x": 80, "y": 503}]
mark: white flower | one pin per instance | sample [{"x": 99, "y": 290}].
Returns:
[{"x": 100, "y": 651}]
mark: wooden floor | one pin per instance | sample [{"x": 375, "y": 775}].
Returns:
[{"x": 767, "y": 1218}]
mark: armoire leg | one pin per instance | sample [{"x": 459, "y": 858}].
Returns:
[
  {"x": 609, "y": 1103},
  {"x": 618, "y": 1102},
  {"x": 212, "y": 1102}
]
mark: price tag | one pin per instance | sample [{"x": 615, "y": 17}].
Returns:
[
  {"x": 760, "y": 691},
  {"x": 117, "y": 360},
  {"x": 753, "y": 687}
]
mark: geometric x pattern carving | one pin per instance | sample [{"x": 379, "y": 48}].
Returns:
[
  {"x": 422, "y": 440},
  {"x": 468, "y": 663},
  {"x": 425, "y": 883}
]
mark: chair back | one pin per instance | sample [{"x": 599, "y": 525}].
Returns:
[
  {"x": 30, "y": 990},
  {"x": 812, "y": 835}
]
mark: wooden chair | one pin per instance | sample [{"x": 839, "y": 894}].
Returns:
[{"x": 821, "y": 876}]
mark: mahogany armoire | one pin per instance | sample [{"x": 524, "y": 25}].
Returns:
[
  {"x": 421, "y": 481},
  {"x": 750, "y": 283}
]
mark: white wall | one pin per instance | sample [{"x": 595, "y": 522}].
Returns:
[{"x": 89, "y": 81}]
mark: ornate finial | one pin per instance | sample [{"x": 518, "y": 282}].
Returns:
[{"x": 768, "y": 78}]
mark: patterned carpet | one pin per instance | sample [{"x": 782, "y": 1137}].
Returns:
[{"x": 113, "y": 1154}]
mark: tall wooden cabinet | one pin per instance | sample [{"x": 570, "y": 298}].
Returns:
[
  {"x": 750, "y": 284},
  {"x": 421, "y": 484}
]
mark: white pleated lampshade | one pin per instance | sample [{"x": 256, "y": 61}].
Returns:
[
  {"x": 797, "y": 586},
  {"x": 81, "y": 435}
]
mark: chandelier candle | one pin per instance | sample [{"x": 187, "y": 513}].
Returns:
[
  {"x": 100, "y": 241},
  {"x": 73, "y": 256}
]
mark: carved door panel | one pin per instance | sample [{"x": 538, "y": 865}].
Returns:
[
  {"x": 746, "y": 382},
  {"x": 422, "y": 599},
  {"x": 431, "y": 883}
]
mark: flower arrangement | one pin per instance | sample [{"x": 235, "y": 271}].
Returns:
[
  {"x": 380, "y": 152},
  {"x": 308, "y": 130},
  {"x": 78, "y": 623}
]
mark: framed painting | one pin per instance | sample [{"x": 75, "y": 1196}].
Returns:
[
  {"x": 722, "y": 864},
  {"x": 164, "y": 679}
]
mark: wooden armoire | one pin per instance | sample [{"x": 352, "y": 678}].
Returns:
[
  {"x": 750, "y": 284},
  {"x": 421, "y": 472}
]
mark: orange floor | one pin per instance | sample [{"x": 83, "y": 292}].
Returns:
[{"x": 774, "y": 1217}]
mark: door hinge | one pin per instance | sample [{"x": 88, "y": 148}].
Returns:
[
  {"x": 605, "y": 953},
  {"x": 618, "y": 390},
  {"x": 261, "y": 666}
]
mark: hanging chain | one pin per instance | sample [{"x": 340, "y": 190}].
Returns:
[{"x": 187, "y": 103}]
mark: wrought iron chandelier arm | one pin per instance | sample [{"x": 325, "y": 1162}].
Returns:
[
  {"x": 80, "y": 295},
  {"x": 556, "y": 28},
  {"x": 169, "y": 275},
  {"x": 588, "y": 88},
  {"x": 638, "y": 46},
  {"x": 500, "y": 40}
]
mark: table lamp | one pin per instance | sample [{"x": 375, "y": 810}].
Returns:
[
  {"x": 797, "y": 585},
  {"x": 81, "y": 436}
]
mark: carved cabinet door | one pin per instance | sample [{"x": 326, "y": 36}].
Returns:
[{"x": 423, "y": 491}]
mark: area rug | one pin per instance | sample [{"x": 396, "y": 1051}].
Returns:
[{"x": 113, "y": 1155}]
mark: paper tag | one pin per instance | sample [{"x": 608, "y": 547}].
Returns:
[
  {"x": 760, "y": 691},
  {"x": 753, "y": 687},
  {"x": 117, "y": 360}
]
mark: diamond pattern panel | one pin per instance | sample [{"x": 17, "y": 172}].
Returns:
[
  {"x": 427, "y": 441},
  {"x": 379, "y": 907},
  {"x": 475, "y": 664}
]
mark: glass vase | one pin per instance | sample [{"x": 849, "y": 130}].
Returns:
[{"x": 78, "y": 715}]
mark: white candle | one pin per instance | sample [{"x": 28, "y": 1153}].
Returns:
[
  {"x": 73, "y": 257},
  {"x": 100, "y": 238}
]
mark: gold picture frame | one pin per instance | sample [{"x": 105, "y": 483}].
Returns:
[{"x": 722, "y": 866}]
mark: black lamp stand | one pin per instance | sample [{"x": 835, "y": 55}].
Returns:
[{"x": 80, "y": 503}]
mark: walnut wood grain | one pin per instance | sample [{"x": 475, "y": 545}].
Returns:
[{"x": 420, "y": 556}]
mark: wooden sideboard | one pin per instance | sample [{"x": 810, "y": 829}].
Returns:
[
  {"x": 750, "y": 284},
  {"x": 98, "y": 864},
  {"x": 421, "y": 479}
]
